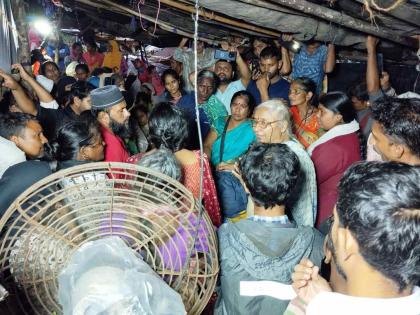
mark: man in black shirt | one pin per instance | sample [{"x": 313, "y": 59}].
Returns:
[{"x": 54, "y": 119}]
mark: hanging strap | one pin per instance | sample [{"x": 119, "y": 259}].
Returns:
[{"x": 222, "y": 141}]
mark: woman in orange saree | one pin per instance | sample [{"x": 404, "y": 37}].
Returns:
[{"x": 303, "y": 101}]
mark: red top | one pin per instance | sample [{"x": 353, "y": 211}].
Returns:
[
  {"x": 331, "y": 159},
  {"x": 191, "y": 180},
  {"x": 115, "y": 150},
  {"x": 93, "y": 61}
]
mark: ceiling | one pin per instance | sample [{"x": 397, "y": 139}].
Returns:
[{"x": 344, "y": 22}]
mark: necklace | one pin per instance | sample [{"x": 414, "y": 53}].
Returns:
[{"x": 308, "y": 114}]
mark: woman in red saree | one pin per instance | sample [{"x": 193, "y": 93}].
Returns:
[{"x": 302, "y": 96}]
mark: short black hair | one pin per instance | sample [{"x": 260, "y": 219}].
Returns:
[
  {"x": 250, "y": 99},
  {"x": 77, "y": 44},
  {"x": 380, "y": 205},
  {"x": 168, "y": 127},
  {"x": 6, "y": 102},
  {"x": 339, "y": 103},
  {"x": 143, "y": 98},
  {"x": 36, "y": 55},
  {"x": 270, "y": 172},
  {"x": 83, "y": 67},
  {"x": 80, "y": 89},
  {"x": 270, "y": 52},
  {"x": 231, "y": 63},
  {"x": 359, "y": 91},
  {"x": 13, "y": 124},
  {"x": 92, "y": 44},
  {"x": 140, "y": 108},
  {"x": 73, "y": 136},
  {"x": 400, "y": 120}
]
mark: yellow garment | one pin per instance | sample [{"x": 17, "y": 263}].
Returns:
[
  {"x": 242, "y": 215},
  {"x": 113, "y": 58}
]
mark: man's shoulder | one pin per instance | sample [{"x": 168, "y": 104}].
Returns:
[
  {"x": 109, "y": 137},
  {"x": 282, "y": 82},
  {"x": 236, "y": 85},
  {"x": 337, "y": 303},
  {"x": 252, "y": 85},
  {"x": 229, "y": 231}
]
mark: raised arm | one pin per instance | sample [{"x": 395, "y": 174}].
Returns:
[
  {"x": 285, "y": 57},
  {"x": 330, "y": 62},
  {"x": 182, "y": 43},
  {"x": 179, "y": 53},
  {"x": 42, "y": 93},
  {"x": 22, "y": 99},
  {"x": 372, "y": 73},
  {"x": 243, "y": 68}
]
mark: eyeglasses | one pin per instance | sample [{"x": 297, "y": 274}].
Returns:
[{"x": 263, "y": 124}]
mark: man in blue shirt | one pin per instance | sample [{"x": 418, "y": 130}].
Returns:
[
  {"x": 269, "y": 84},
  {"x": 313, "y": 61},
  {"x": 224, "y": 70}
]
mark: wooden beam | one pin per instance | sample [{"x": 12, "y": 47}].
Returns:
[
  {"x": 218, "y": 18},
  {"x": 275, "y": 7},
  {"x": 110, "y": 6},
  {"x": 346, "y": 21}
]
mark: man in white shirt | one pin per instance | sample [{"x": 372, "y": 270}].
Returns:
[
  {"x": 20, "y": 135},
  {"x": 374, "y": 241},
  {"x": 11, "y": 155},
  {"x": 227, "y": 87}
]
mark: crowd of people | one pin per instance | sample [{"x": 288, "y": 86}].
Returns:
[{"x": 304, "y": 186}]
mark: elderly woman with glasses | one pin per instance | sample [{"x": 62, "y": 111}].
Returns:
[
  {"x": 271, "y": 124},
  {"x": 227, "y": 141}
]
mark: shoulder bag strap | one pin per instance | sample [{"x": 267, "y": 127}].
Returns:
[{"x": 222, "y": 141}]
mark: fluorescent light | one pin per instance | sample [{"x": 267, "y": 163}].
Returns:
[{"x": 43, "y": 27}]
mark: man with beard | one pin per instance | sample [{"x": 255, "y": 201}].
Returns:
[
  {"x": 269, "y": 84},
  {"x": 227, "y": 87},
  {"x": 374, "y": 245},
  {"x": 109, "y": 106}
]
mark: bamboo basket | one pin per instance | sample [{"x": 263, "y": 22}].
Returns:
[{"x": 154, "y": 214}]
